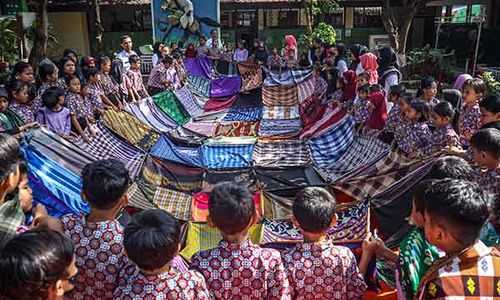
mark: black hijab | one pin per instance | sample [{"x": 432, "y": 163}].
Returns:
[
  {"x": 342, "y": 50},
  {"x": 357, "y": 50},
  {"x": 387, "y": 60}
]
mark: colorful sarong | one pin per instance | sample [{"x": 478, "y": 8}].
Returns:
[
  {"x": 306, "y": 89},
  {"x": 281, "y": 112},
  {"x": 237, "y": 129},
  {"x": 301, "y": 74},
  {"x": 281, "y": 95},
  {"x": 200, "y": 66},
  {"x": 269, "y": 128},
  {"x": 170, "y": 105},
  {"x": 204, "y": 128},
  {"x": 219, "y": 103},
  {"x": 225, "y": 86},
  {"x": 149, "y": 113},
  {"x": 246, "y": 114},
  {"x": 281, "y": 153},
  {"x": 188, "y": 101},
  {"x": 188, "y": 155},
  {"x": 199, "y": 85},
  {"x": 251, "y": 77},
  {"x": 217, "y": 155}
]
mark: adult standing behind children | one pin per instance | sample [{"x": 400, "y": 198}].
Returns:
[
  {"x": 214, "y": 40},
  {"x": 124, "y": 55}
]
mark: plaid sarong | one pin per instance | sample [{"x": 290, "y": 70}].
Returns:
[
  {"x": 205, "y": 128},
  {"x": 138, "y": 199},
  {"x": 176, "y": 203},
  {"x": 281, "y": 112},
  {"x": 281, "y": 153},
  {"x": 11, "y": 216},
  {"x": 199, "y": 208},
  {"x": 188, "y": 101},
  {"x": 283, "y": 78},
  {"x": 301, "y": 74},
  {"x": 281, "y": 95},
  {"x": 183, "y": 135},
  {"x": 170, "y": 105},
  {"x": 201, "y": 237},
  {"x": 247, "y": 114},
  {"x": 105, "y": 145},
  {"x": 130, "y": 128},
  {"x": 285, "y": 179},
  {"x": 218, "y": 155},
  {"x": 331, "y": 145},
  {"x": 244, "y": 176},
  {"x": 199, "y": 85},
  {"x": 188, "y": 155},
  {"x": 306, "y": 89},
  {"x": 149, "y": 113},
  {"x": 251, "y": 77},
  {"x": 237, "y": 129},
  {"x": 172, "y": 175},
  {"x": 270, "y": 128},
  {"x": 225, "y": 86}
]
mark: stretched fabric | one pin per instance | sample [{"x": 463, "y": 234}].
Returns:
[
  {"x": 283, "y": 78},
  {"x": 183, "y": 135},
  {"x": 172, "y": 175},
  {"x": 281, "y": 112},
  {"x": 199, "y": 208},
  {"x": 225, "y": 86},
  {"x": 328, "y": 118},
  {"x": 65, "y": 153},
  {"x": 352, "y": 226},
  {"x": 149, "y": 113},
  {"x": 178, "y": 204},
  {"x": 301, "y": 74},
  {"x": 205, "y": 128},
  {"x": 331, "y": 145},
  {"x": 224, "y": 155},
  {"x": 105, "y": 145},
  {"x": 311, "y": 111},
  {"x": 279, "y": 178},
  {"x": 237, "y": 129},
  {"x": 244, "y": 176},
  {"x": 305, "y": 89},
  {"x": 211, "y": 115},
  {"x": 247, "y": 114},
  {"x": 188, "y": 155},
  {"x": 170, "y": 105},
  {"x": 249, "y": 99},
  {"x": 281, "y": 153},
  {"x": 11, "y": 217},
  {"x": 138, "y": 199},
  {"x": 202, "y": 237},
  {"x": 281, "y": 95},
  {"x": 277, "y": 207},
  {"x": 62, "y": 183},
  {"x": 251, "y": 77},
  {"x": 279, "y": 127},
  {"x": 130, "y": 128},
  {"x": 199, "y": 85},
  {"x": 41, "y": 194},
  {"x": 219, "y": 103},
  {"x": 200, "y": 66},
  {"x": 188, "y": 101}
]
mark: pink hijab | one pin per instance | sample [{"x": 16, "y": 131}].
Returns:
[
  {"x": 461, "y": 79},
  {"x": 370, "y": 65},
  {"x": 349, "y": 92},
  {"x": 379, "y": 114},
  {"x": 291, "y": 44}
]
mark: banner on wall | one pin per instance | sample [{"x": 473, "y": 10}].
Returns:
[{"x": 184, "y": 21}]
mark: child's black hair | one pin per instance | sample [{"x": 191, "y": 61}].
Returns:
[
  {"x": 10, "y": 155},
  {"x": 487, "y": 140},
  {"x": 202, "y": 37},
  {"x": 494, "y": 124},
  {"x": 332, "y": 76},
  {"x": 46, "y": 70},
  {"x": 151, "y": 239},
  {"x": 50, "y": 97},
  {"x": 172, "y": 44},
  {"x": 61, "y": 67},
  {"x": 397, "y": 90},
  {"x": 421, "y": 107},
  {"x": 425, "y": 83},
  {"x": 460, "y": 205},
  {"x": 365, "y": 88},
  {"x": 314, "y": 209},
  {"x": 68, "y": 78},
  {"x": 491, "y": 104},
  {"x": 375, "y": 88},
  {"x": 89, "y": 72},
  {"x": 365, "y": 76},
  {"x": 102, "y": 59},
  {"x": 124, "y": 37},
  {"x": 14, "y": 87},
  {"x": 133, "y": 59},
  {"x": 4, "y": 93},
  {"x": 452, "y": 167},
  {"x": 19, "y": 68},
  {"x": 104, "y": 183},
  {"x": 168, "y": 60},
  {"x": 419, "y": 195},
  {"x": 231, "y": 207},
  {"x": 407, "y": 97},
  {"x": 32, "y": 262},
  {"x": 445, "y": 109},
  {"x": 477, "y": 84}
]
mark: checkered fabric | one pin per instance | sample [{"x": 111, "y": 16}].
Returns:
[
  {"x": 282, "y": 95},
  {"x": 282, "y": 78},
  {"x": 248, "y": 114},
  {"x": 12, "y": 216},
  {"x": 174, "y": 202},
  {"x": 281, "y": 153},
  {"x": 251, "y": 77},
  {"x": 189, "y": 155},
  {"x": 331, "y": 145},
  {"x": 199, "y": 85},
  {"x": 188, "y": 101},
  {"x": 130, "y": 128},
  {"x": 170, "y": 105},
  {"x": 205, "y": 128},
  {"x": 277, "y": 207},
  {"x": 269, "y": 128},
  {"x": 105, "y": 145},
  {"x": 146, "y": 111},
  {"x": 218, "y": 155},
  {"x": 281, "y": 112},
  {"x": 240, "y": 176},
  {"x": 306, "y": 89},
  {"x": 301, "y": 74},
  {"x": 237, "y": 129},
  {"x": 138, "y": 199}
]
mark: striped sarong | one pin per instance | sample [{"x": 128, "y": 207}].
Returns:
[
  {"x": 281, "y": 95},
  {"x": 301, "y": 74},
  {"x": 205, "y": 128},
  {"x": 149, "y": 113},
  {"x": 247, "y": 114},
  {"x": 199, "y": 85},
  {"x": 275, "y": 79},
  {"x": 281, "y": 153},
  {"x": 281, "y": 112},
  {"x": 170, "y": 105},
  {"x": 218, "y": 154},
  {"x": 269, "y": 128},
  {"x": 306, "y": 89},
  {"x": 188, "y": 155},
  {"x": 188, "y": 100}
]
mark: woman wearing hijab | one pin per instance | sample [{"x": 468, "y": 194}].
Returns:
[
  {"x": 368, "y": 64},
  {"x": 339, "y": 51},
  {"x": 378, "y": 117},
  {"x": 461, "y": 79},
  {"x": 290, "y": 45},
  {"x": 388, "y": 70},
  {"x": 349, "y": 92},
  {"x": 356, "y": 51}
]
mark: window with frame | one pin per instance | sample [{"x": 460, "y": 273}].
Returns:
[
  {"x": 246, "y": 18},
  {"x": 368, "y": 17},
  {"x": 288, "y": 18},
  {"x": 226, "y": 19},
  {"x": 336, "y": 18}
]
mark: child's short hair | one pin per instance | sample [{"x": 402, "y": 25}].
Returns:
[
  {"x": 3, "y": 92},
  {"x": 419, "y": 195},
  {"x": 50, "y": 97},
  {"x": 423, "y": 108},
  {"x": 32, "y": 262},
  {"x": 460, "y": 205},
  {"x": 124, "y": 37},
  {"x": 444, "y": 109},
  {"x": 365, "y": 88},
  {"x": 452, "y": 167},
  {"x": 89, "y": 72},
  {"x": 397, "y": 90},
  {"x": 134, "y": 59},
  {"x": 151, "y": 239},
  {"x": 314, "y": 209},
  {"x": 365, "y": 76},
  {"x": 477, "y": 84},
  {"x": 202, "y": 38},
  {"x": 46, "y": 70},
  {"x": 491, "y": 104},
  {"x": 10, "y": 155},
  {"x": 487, "y": 140},
  {"x": 102, "y": 60},
  {"x": 173, "y": 44},
  {"x": 168, "y": 60},
  {"x": 14, "y": 87},
  {"x": 231, "y": 207},
  {"x": 69, "y": 77},
  {"x": 407, "y": 97},
  {"x": 104, "y": 183},
  {"x": 494, "y": 125},
  {"x": 375, "y": 88}
]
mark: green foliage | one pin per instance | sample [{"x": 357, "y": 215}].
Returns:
[
  {"x": 325, "y": 6},
  {"x": 325, "y": 32},
  {"x": 492, "y": 86},
  {"x": 9, "y": 43}
]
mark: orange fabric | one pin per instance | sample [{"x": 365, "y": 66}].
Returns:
[{"x": 370, "y": 66}]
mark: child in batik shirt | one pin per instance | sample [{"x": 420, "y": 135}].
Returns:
[
  {"x": 48, "y": 75},
  {"x": 469, "y": 123},
  {"x": 362, "y": 109},
  {"x": 202, "y": 48},
  {"x": 396, "y": 116},
  {"x": 82, "y": 115},
  {"x": 151, "y": 241},
  {"x": 428, "y": 91},
  {"x": 20, "y": 102},
  {"x": 414, "y": 134},
  {"x": 275, "y": 61},
  {"x": 133, "y": 80},
  {"x": 96, "y": 96},
  {"x": 444, "y": 136},
  {"x": 232, "y": 211},
  {"x": 109, "y": 86},
  {"x": 485, "y": 146}
]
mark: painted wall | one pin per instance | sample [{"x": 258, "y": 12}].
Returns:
[{"x": 71, "y": 30}]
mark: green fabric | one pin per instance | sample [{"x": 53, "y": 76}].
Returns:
[
  {"x": 170, "y": 105},
  {"x": 489, "y": 236},
  {"x": 416, "y": 256},
  {"x": 10, "y": 121},
  {"x": 11, "y": 216}
]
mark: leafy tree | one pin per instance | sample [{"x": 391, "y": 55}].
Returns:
[
  {"x": 9, "y": 43},
  {"x": 40, "y": 39}
]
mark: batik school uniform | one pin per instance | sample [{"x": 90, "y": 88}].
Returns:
[
  {"x": 181, "y": 72},
  {"x": 100, "y": 256},
  {"x": 133, "y": 79},
  {"x": 110, "y": 88},
  {"x": 61, "y": 83},
  {"x": 244, "y": 271},
  {"x": 79, "y": 108},
  {"x": 275, "y": 63},
  {"x": 203, "y": 50},
  {"x": 412, "y": 137},
  {"x": 441, "y": 138},
  {"x": 24, "y": 111},
  {"x": 172, "y": 76},
  {"x": 362, "y": 111},
  {"x": 174, "y": 284},
  {"x": 38, "y": 101},
  {"x": 432, "y": 102},
  {"x": 95, "y": 97},
  {"x": 395, "y": 119},
  {"x": 468, "y": 123},
  {"x": 469, "y": 274},
  {"x": 323, "y": 271},
  {"x": 156, "y": 78},
  {"x": 320, "y": 87},
  {"x": 489, "y": 180}
]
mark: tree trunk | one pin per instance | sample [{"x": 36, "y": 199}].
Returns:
[
  {"x": 39, "y": 49},
  {"x": 98, "y": 29},
  {"x": 306, "y": 5}
]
